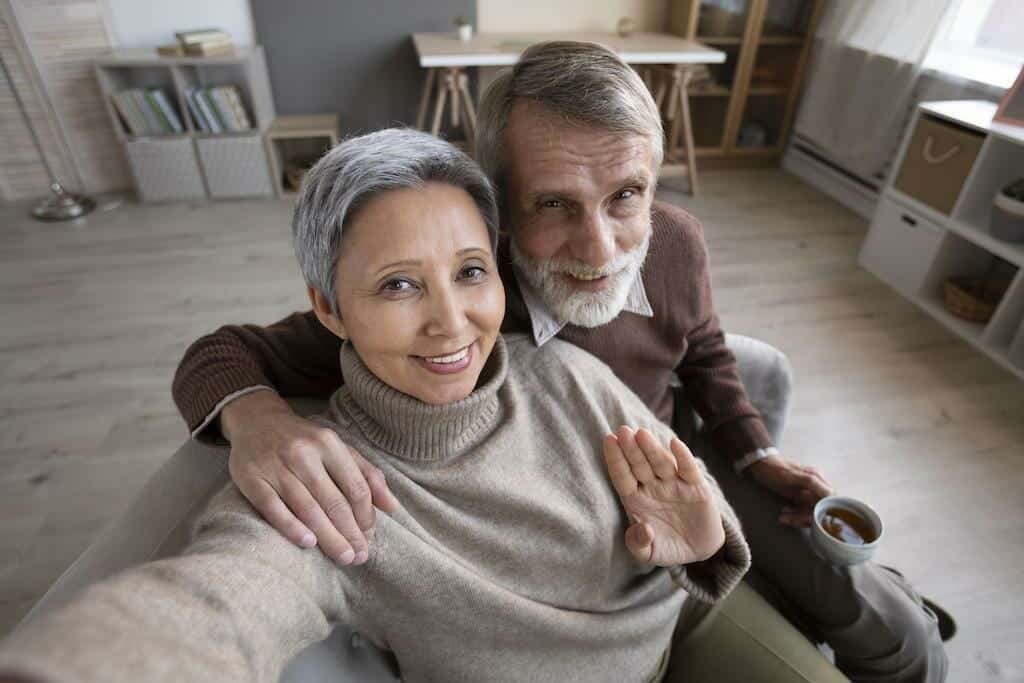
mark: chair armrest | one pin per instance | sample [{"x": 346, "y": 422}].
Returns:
[{"x": 154, "y": 525}]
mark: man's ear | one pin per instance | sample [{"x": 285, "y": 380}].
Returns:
[{"x": 325, "y": 314}]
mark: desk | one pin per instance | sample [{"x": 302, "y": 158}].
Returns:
[{"x": 446, "y": 58}]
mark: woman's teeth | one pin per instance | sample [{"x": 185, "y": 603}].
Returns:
[{"x": 452, "y": 358}]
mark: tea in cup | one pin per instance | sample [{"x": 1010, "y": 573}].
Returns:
[{"x": 845, "y": 531}]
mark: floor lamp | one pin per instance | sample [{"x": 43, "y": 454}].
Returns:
[{"x": 60, "y": 205}]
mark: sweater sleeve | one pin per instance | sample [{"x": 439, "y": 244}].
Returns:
[
  {"x": 708, "y": 370},
  {"x": 296, "y": 356},
  {"x": 236, "y": 606}
]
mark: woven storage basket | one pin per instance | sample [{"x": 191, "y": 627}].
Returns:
[{"x": 974, "y": 298}]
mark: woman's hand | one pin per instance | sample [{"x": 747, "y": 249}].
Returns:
[
  {"x": 302, "y": 478},
  {"x": 671, "y": 508}
]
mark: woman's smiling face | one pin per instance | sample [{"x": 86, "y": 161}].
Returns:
[{"x": 418, "y": 291}]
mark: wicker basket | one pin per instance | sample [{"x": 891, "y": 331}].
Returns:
[{"x": 974, "y": 298}]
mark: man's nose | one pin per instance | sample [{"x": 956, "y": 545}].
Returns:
[
  {"x": 447, "y": 313},
  {"x": 594, "y": 241}
]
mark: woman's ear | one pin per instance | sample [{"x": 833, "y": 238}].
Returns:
[{"x": 325, "y": 314}]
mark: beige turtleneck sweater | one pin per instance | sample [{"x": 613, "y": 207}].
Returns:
[{"x": 506, "y": 561}]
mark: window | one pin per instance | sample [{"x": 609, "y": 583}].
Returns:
[{"x": 980, "y": 40}]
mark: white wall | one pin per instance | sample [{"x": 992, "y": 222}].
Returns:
[
  {"x": 145, "y": 23},
  {"x": 569, "y": 15}
]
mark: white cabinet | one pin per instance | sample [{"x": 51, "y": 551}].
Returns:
[{"x": 915, "y": 248}]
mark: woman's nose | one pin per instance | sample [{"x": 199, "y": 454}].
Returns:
[{"x": 447, "y": 313}]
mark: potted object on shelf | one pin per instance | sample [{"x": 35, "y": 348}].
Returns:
[
  {"x": 975, "y": 299},
  {"x": 625, "y": 27},
  {"x": 464, "y": 28},
  {"x": 1008, "y": 212}
]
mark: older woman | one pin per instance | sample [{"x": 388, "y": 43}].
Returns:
[{"x": 516, "y": 551}]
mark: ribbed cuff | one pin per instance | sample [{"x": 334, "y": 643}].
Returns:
[
  {"x": 713, "y": 579},
  {"x": 208, "y": 430}
]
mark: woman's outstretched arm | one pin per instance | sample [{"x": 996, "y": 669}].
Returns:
[{"x": 236, "y": 606}]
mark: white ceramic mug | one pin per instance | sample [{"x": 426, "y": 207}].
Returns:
[{"x": 837, "y": 552}]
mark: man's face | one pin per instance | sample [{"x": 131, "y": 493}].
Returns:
[{"x": 578, "y": 204}]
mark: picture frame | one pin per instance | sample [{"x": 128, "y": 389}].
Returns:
[{"x": 1011, "y": 107}]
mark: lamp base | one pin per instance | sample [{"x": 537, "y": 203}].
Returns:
[{"x": 62, "y": 205}]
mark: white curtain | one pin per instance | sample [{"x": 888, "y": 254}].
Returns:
[{"x": 866, "y": 61}]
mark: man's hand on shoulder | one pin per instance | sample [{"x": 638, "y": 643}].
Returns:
[
  {"x": 803, "y": 486},
  {"x": 302, "y": 478}
]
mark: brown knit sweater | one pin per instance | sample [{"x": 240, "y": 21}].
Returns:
[{"x": 297, "y": 356}]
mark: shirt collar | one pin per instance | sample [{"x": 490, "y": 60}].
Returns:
[{"x": 546, "y": 325}]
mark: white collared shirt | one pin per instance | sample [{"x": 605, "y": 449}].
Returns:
[{"x": 547, "y": 325}]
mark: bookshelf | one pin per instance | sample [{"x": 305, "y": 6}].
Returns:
[
  {"x": 192, "y": 164},
  {"x": 745, "y": 112},
  {"x": 915, "y": 246}
]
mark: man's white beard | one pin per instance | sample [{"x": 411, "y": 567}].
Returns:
[{"x": 586, "y": 309}]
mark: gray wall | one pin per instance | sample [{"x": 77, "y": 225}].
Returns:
[{"x": 352, "y": 57}]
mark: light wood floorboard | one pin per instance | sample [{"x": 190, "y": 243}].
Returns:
[{"x": 890, "y": 405}]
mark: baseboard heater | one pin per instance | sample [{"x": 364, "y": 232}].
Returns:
[{"x": 850, "y": 190}]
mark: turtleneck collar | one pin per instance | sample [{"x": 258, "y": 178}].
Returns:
[{"x": 408, "y": 428}]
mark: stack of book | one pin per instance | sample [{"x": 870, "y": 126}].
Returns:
[
  {"x": 217, "y": 110},
  {"x": 147, "y": 112},
  {"x": 200, "y": 43}
]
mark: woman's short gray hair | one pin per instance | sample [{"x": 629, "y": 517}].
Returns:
[
  {"x": 358, "y": 169},
  {"x": 585, "y": 83}
]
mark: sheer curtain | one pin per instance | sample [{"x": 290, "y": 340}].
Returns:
[{"x": 866, "y": 62}]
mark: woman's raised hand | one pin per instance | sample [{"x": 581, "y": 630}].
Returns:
[{"x": 670, "y": 505}]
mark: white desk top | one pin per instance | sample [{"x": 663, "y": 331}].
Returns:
[{"x": 503, "y": 49}]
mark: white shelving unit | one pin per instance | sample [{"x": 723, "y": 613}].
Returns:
[
  {"x": 915, "y": 248},
  {"x": 194, "y": 164}
]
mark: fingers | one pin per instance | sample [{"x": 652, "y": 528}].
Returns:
[
  {"x": 638, "y": 462},
  {"x": 343, "y": 469},
  {"x": 623, "y": 481},
  {"x": 814, "y": 481},
  {"x": 796, "y": 517},
  {"x": 640, "y": 541},
  {"x": 308, "y": 510},
  {"x": 658, "y": 457},
  {"x": 382, "y": 496},
  {"x": 686, "y": 465},
  {"x": 269, "y": 504}
]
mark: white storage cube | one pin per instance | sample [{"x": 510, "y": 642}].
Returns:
[
  {"x": 235, "y": 166},
  {"x": 165, "y": 169},
  {"x": 900, "y": 246}
]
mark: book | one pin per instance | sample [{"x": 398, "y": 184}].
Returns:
[
  {"x": 164, "y": 105},
  {"x": 165, "y": 125},
  {"x": 171, "y": 50},
  {"x": 123, "y": 105},
  {"x": 206, "y": 104},
  {"x": 152, "y": 122},
  {"x": 235, "y": 102},
  {"x": 227, "y": 112},
  {"x": 209, "y": 49},
  {"x": 200, "y": 35},
  {"x": 197, "y": 113}
]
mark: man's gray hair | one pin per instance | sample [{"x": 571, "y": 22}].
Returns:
[
  {"x": 584, "y": 83},
  {"x": 360, "y": 168}
]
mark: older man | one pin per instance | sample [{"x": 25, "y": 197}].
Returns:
[{"x": 573, "y": 142}]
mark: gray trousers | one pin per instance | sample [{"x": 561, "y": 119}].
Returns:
[{"x": 870, "y": 616}]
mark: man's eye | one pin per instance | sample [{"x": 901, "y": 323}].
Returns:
[
  {"x": 472, "y": 273},
  {"x": 397, "y": 285},
  {"x": 551, "y": 204},
  {"x": 625, "y": 194}
]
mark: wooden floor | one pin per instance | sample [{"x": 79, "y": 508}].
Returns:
[{"x": 891, "y": 406}]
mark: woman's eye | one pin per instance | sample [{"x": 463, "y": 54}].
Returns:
[
  {"x": 551, "y": 204},
  {"x": 398, "y": 286},
  {"x": 472, "y": 273}
]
